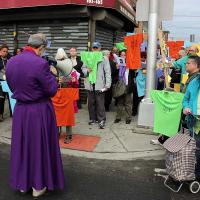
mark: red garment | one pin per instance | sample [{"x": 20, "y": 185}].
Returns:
[
  {"x": 73, "y": 84},
  {"x": 174, "y": 48},
  {"x": 133, "y": 56},
  {"x": 28, "y": 48},
  {"x": 63, "y": 103}
]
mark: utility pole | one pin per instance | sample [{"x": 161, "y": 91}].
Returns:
[
  {"x": 153, "y": 11},
  {"x": 152, "y": 46}
]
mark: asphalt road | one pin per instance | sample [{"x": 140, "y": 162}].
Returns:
[{"x": 89, "y": 179}]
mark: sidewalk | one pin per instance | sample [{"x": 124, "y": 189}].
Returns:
[{"x": 118, "y": 141}]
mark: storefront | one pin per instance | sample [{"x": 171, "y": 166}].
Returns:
[{"x": 66, "y": 23}]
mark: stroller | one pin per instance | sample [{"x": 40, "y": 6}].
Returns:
[{"x": 180, "y": 162}]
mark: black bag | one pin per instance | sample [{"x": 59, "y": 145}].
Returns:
[{"x": 119, "y": 89}]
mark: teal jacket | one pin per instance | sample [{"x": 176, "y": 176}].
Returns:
[
  {"x": 181, "y": 64},
  {"x": 191, "y": 95}
]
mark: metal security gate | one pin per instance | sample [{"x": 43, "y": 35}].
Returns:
[
  {"x": 61, "y": 34},
  {"x": 7, "y": 36},
  {"x": 119, "y": 36},
  {"x": 105, "y": 36}
]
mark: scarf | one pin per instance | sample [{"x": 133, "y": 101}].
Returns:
[
  {"x": 28, "y": 48},
  {"x": 122, "y": 70}
]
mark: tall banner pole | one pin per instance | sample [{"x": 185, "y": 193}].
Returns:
[{"x": 163, "y": 49}]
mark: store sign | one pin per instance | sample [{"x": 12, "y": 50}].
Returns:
[
  {"x": 34, "y": 3},
  {"x": 123, "y": 6},
  {"x": 126, "y": 8}
]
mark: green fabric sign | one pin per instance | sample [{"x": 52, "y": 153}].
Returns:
[
  {"x": 168, "y": 108},
  {"x": 120, "y": 46},
  {"x": 91, "y": 60}
]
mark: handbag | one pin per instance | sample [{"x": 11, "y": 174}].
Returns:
[{"x": 119, "y": 89}]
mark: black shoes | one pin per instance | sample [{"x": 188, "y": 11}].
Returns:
[
  {"x": 91, "y": 122},
  {"x": 128, "y": 121},
  {"x": 117, "y": 121},
  {"x": 68, "y": 139}
]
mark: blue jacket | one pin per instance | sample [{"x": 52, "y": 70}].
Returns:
[{"x": 191, "y": 95}]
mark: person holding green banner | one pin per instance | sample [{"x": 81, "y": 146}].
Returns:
[
  {"x": 96, "y": 69},
  {"x": 120, "y": 46}
]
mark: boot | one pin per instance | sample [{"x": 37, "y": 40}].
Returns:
[{"x": 68, "y": 139}]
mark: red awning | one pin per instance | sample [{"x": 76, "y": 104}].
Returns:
[
  {"x": 33, "y": 3},
  {"x": 123, "y": 6}
]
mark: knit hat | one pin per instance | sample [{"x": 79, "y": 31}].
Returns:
[{"x": 37, "y": 40}]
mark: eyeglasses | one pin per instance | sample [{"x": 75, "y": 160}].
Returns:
[{"x": 95, "y": 47}]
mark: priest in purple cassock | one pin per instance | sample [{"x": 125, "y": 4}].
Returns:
[{"x": 35, "y": 154}]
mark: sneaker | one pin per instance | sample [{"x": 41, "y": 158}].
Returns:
[
  {"x": 38, "y": 193},
  {"x": 102, "y": 124},
  {"x": 117, "y": 121},
  {"x": 68, "y": 139},
  {"x": 92, "y": 122},
  {"x": 155, "y": 142}
]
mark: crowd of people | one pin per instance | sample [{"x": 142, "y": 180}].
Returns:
[{"x": 106, "y": 78}]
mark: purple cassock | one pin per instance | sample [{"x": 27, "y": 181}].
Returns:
[{"x": 35, "y": 153}]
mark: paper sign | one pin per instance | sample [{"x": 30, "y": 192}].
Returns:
[
  {"x": 177, "y": 87},
  {"x": 184, "y": 79}
]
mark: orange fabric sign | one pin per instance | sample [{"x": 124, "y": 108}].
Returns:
[
  {"x": 133, "y": 57},
  {"x": 174, "y": 48},
  {"x": 63, "y": 103}
]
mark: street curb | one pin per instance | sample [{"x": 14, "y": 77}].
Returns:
[{"x": 145, "y": 155}]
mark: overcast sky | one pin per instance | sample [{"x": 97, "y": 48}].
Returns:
[{"x": 186, "y": 20}]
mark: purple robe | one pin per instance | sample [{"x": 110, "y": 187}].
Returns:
[{"x": 35, "y": 153}]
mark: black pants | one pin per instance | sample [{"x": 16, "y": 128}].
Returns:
[
  {"x": 2, "y": 104},
  {"x": 108, "y": 99},
  {"x": 135, "y": 100},
  {"x": 96, "y": 106},
  {"x": 124, "y": 102},
  {"x": 2, "y": 101}
]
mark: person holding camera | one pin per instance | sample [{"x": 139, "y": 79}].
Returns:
[{"x": 35, "y": 154}]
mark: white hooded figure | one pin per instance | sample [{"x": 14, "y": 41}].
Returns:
[{"x": 64, "y": 64}]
